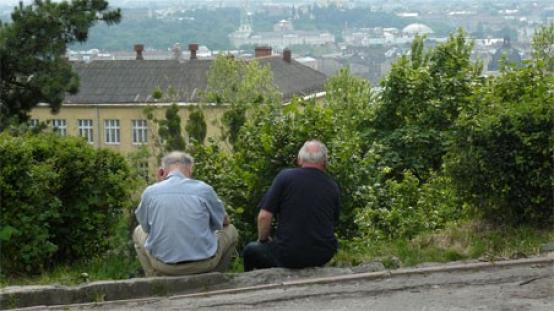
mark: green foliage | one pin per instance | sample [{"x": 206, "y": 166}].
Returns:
[
  {"x": 403, "y": 209},
  {"x": 170, "y": 130},
  {"x": 387, "y": 149},
  {"x": 203, "y": 25},
  {"x": 270, "y": 139},
  {"x": 421, "y": 100},
  {"x": 240, "y": 85},
  {"x": 196, "y": 125},
  {"x": 60, "y": 199},
  {"x": 543, "y": 46},
  {"x": 32, "y": 50},
  {"x": 501, "y": 156},
  {"x": 459, "y": 240},
  {"x": 118, "y": 262}
]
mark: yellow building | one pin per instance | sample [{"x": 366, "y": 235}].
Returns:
[{"x": 109, "y": 108}]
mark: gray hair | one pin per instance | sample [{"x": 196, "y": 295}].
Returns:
[
  {"x": 313, "y": 151},
  {"x": 177, "y": 157}
]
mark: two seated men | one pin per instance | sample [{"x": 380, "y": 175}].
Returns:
[{"x": 183, "y": 227}]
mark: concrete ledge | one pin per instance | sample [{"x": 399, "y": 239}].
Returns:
[
  {"x": 115, "y": 292},
  {"x": 27, "y": 296}
]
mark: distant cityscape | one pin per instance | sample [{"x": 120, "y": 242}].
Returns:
[{"x": 326, "y": 35}]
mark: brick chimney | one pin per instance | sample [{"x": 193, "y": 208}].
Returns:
[
  {"x": 263, "y": 51},
  {"x": 139, "y": 48},
  {"x": 193, "y": 47},
  {"x": 287, "y": 55}
]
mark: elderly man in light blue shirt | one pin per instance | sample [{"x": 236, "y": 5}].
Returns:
[{"x": 183, "y": 227}]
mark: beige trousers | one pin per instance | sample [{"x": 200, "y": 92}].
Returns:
[{"x": 227, "y": 242}]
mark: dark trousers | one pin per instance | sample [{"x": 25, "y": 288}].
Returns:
[{"x": 259, "y": 256}]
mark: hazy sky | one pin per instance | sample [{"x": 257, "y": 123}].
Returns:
[{"x": 122, "y": 2}]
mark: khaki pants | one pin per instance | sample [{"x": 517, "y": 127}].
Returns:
[{"x": 227, "y": 241}]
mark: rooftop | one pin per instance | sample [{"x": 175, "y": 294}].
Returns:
[{"x": 133, "y": 81}]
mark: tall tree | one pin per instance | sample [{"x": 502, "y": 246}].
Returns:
[
  {"x": 170, "y": 130},
  {"x": 196, "y": 125},
  {"x": 240, "y": 85},
  {"x": 33, "y": 68},
  {"x": 421, "y": 99}
]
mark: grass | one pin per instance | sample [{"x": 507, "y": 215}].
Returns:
[
  {"x": 468, "y": 240},
  {"x": 119, "y": 262},
  {"x": 95, "y": 269}
]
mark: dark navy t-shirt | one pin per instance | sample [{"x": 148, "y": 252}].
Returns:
[{"x": 305, "y": 202}]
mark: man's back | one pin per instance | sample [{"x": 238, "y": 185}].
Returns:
[
  {"x": 180, "y": 216},
  {"x": 306, "y": 201}
]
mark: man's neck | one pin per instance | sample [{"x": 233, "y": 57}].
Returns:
[
  {"x": 319, "y": 166},
  {"x": 178, "y": 171}
]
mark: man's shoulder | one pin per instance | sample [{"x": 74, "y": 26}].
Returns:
[
  {"x": 287, "y": 171},
  {"x": 201, "y": 185},
  {"x": 154, "y": 187}
]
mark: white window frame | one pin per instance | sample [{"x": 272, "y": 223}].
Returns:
[
  {"x": 139, "y": 132},
  {"x": 111, "y": 132},
  {"x": 86, "y": 129},
  {"x": 59, "y": 126},
  {"x": 33, "y": 123}
]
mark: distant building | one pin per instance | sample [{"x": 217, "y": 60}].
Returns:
[
  {"x": 283, "y": 35},
  {"x": 416, "y": 28},
  {"x": 108, "y": 110},
  {"x": 387, "y": 36},
  {"x": 511, "y": 54}
]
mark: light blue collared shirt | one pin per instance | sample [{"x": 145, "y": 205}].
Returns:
[{"x": 180, "y": 216}]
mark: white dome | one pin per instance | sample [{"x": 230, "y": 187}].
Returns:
[{"x": 417, "y": 29}]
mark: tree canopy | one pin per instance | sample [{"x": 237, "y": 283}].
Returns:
[{"x": 33, "y": 67}]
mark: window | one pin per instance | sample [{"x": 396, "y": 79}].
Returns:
[
  {"x": 33, "y": 123},
  {"x": 140, "y": 131},
  {"x": 111, "y": 128},
  {"x": 59, "y": 126},
  {"x": 86, "y": 130}
]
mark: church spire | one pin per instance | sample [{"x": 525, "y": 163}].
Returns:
[{"x": 245, "y": 18}]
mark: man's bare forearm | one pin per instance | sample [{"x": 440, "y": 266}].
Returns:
[{"x": 264, "y": 225}]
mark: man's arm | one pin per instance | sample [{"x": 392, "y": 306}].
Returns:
[
  {"x": 264, "y": 225},
  {"x": 215, "y": 207},
  {"x": 142, "y": 213}
]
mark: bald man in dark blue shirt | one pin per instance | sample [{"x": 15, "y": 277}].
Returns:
[{"x": 305, "y": 202}]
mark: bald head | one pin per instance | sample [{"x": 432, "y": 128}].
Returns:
[
  {"x": 177, "y": 160},
  {"x": 313, "y": 154}
]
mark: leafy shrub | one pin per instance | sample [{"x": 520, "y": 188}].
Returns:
[
  {"x": 402, "y": 209},
  {"x": 271, "y": 137},
  {"x": 60, "y": 199},
  {"x": 501, "y": 156},
  {"x": 421, "y": 99}
]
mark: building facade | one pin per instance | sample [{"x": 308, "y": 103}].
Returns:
[{"x": 109, "y": 109}]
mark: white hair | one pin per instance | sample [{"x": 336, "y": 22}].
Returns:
[
  {"x": 177, "y": 157},
  {"x": 307, "y": 155}
]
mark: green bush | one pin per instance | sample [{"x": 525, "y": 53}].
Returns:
[
  {"x": 500, "y": 159},
  {"x": 60, "y": 199},
  {"x": 421, "y": 99},
  {"x": 403, "y": 209},
  {"x": 502, "y": 164},
  {"x": 270, "y": 139}
]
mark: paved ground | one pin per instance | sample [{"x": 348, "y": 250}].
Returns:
[{"x": 529, "y": 287}]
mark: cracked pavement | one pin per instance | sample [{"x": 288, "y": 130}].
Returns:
[{"x": 526, "y": 287}]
